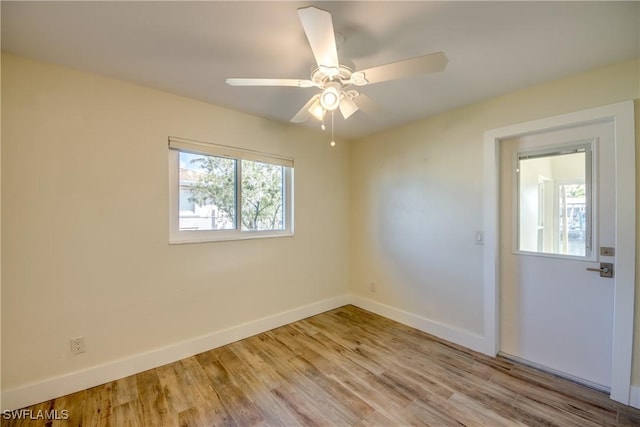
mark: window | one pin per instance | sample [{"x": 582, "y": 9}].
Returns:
[
  {"x": 225, "y": 193},
  {"x": 554, "y": 201}
]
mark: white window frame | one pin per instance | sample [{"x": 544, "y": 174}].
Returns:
[
  {"x": 177, "y": 236},
  {"x": 589, "y": 147}
]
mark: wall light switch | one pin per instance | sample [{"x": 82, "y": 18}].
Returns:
[{"x": 479, "y": 238}]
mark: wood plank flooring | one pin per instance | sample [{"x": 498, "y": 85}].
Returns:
[{"x": 345, "y": 367}]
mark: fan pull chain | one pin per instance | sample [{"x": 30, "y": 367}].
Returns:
[{"x": 333, "y": 141}]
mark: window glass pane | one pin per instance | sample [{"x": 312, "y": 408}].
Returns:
[
  {"x": 572, "y": 219},
  {"x": 187, "y": 204},
  {"x": 262, "y": 196},
  {"x": 553, "y": 204},
  {"x": 207, "y": 192}
]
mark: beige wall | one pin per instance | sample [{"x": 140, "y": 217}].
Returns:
[
  {"x": 84, "y": 216},
  {"x": 417, "y": 198},
  {"x": 85, "y": 223}
]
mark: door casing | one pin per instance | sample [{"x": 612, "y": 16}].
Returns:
[{"x": 622, "y": 115}]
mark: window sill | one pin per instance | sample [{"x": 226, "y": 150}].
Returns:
[{"x": 194, "y": 237}]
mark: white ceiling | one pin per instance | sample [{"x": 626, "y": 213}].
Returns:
[{"x": 190, "y": 48}]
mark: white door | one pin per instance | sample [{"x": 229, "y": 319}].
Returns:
[{"x": 557, "y": 216}]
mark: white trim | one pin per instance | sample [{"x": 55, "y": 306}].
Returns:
[
  {"x": 440, "y": 330},
  {"x": 74, "y": 381},
  {"x": 622, "y": 115},
  {"x": 634, "y": 397}
]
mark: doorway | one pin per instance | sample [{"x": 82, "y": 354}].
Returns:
[{"x": 621, "y": 117}]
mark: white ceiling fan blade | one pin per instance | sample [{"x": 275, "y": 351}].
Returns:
[
  {"x": 318, "y": 26},
  {"x": 233, "y": 81},
  {"x": 347, "y": 107},
  {"x": 407, "y": 68},
  {"x": 367, "y": 104},
  {"x": 304, "y": 113}
]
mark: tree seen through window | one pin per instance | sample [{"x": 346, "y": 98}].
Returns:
[{"x": 261, "y": 190}]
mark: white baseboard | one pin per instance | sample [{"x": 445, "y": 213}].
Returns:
[
  {"x": 634, "y": 396},
  {"x": 69, "y": 383},
  {"x": 440, "y": 330},
  {"x": 456, "y": 336},
  {"x": 74, "y": 381}
]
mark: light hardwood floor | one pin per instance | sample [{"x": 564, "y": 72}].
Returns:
[{"x": 346, "y": 367}]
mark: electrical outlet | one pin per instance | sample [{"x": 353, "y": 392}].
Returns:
[
  {"x": 372, "y": 286},
  {"x": 77, "y": 345}
]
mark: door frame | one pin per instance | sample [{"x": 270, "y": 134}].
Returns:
[{"x": 622, "y": 115}]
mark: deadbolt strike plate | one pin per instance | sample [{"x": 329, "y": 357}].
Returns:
[{"x": 607, "y": 251}]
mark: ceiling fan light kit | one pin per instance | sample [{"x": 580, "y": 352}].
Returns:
[
  {"x": 335, "y": 80},
  {"x": 317, "y": 110},
  {"x": 330, "y": 98}
]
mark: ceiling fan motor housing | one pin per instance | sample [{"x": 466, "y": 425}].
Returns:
[{"x": 320, "y": 77}]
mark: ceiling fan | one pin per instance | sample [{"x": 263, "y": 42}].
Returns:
[{"x": 336, "y": 81}]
